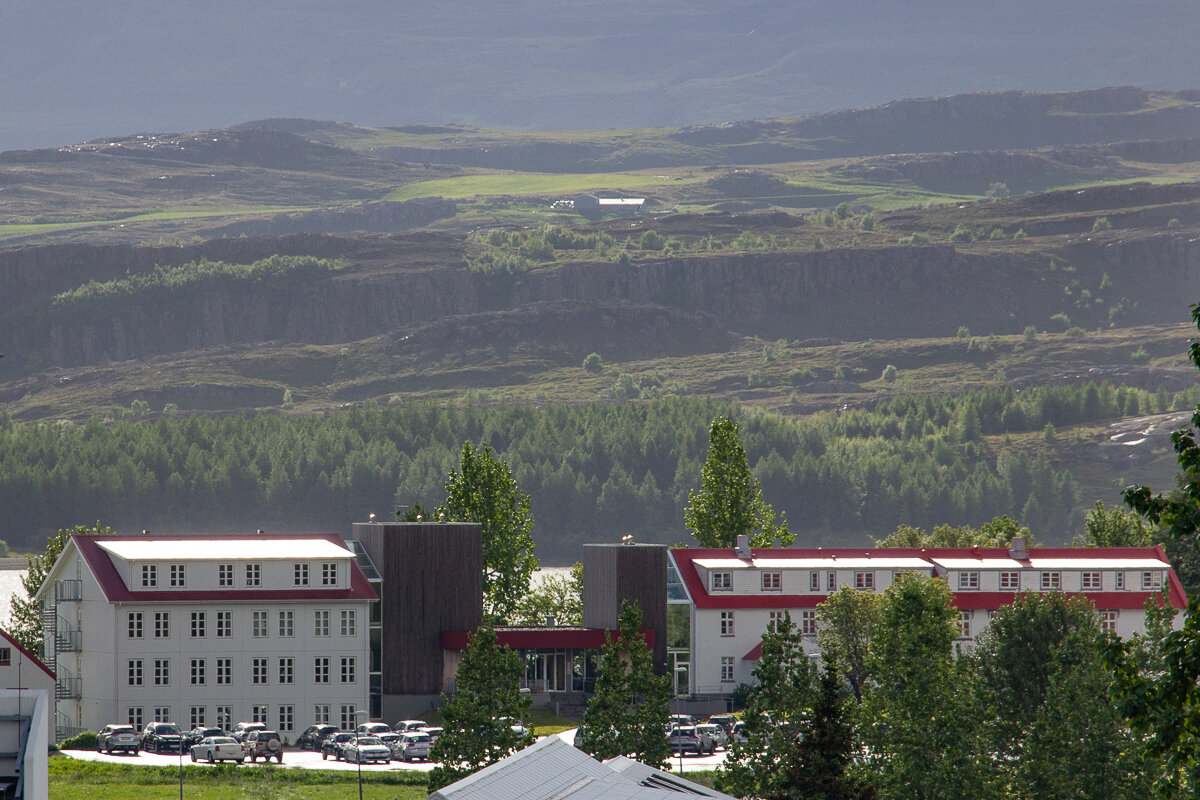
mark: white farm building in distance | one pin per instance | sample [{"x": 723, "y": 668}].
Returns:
[
  {"x": 208, "y": 630},
  {"x": 734, "y": 594}
]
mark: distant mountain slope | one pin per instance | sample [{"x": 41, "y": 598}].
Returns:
[{"x": 71, "y": 71}]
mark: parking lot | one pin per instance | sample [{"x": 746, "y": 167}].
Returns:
[{"x": 307, "y": 759}]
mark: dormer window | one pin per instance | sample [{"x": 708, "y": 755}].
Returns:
[
  {"x": 254, "y": 574},
  {"x": 864, "y": 581},
  {"x": 178, "y": 575},
  {"x": 1152, "y": 580},
  {"x": 149, "y": 576},
  {"x": 772, "y": 581},
  {"x": 329, "y": 573},
  {"x": 968, "y": 580},
  {"x": 1090, "y": 581},
  {"x": 721, "y": 581},
  {"x": 300, "y": 574}
]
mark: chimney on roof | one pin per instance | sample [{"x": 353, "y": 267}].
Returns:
[
  {"x": 145, "y": 532},
  {"x": 260, "y": 531},
  {"x": 1017, "y": 549},
  {"x": 743, "y": 548}
]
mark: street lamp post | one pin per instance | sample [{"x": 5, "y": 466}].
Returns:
[
  {"x": 678, "y": 671},
  {"x": 358, "y": 754}
]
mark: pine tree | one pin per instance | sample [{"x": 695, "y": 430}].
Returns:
[
  {"x": 478, "y": 717},
  {"x": 628, "y": 713},
  {"x": 729, "y": 502}
]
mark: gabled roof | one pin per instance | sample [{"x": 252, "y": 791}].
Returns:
[
  {"x": 551, "y": 769},
  {"x": 98, "y": 551},
  {"x": 982, "y": 558}
]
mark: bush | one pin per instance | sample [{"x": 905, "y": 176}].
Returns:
[
  {"x": 593, "y": 363},
  {"x": 889, "y": 373},
  {"x": 1030, "y": 333},
  {"x": 1101, "y": 224},
  {"x": 963, "y": 234},
  {"x": 1173, "y": 223},
  {"x": 801, "y": 376},
  {"x": 1075, "y": 332},
  {"x": 1139, "y": 356},
  {"x": 963, "y": 332},
  {"x": 85, "y": 740},
  {"x": 652, "y": 241}
]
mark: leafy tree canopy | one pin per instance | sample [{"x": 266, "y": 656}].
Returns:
[
  {"x": 998, "y": 532},
  {"x": 557, "y": 596},
  {"x": 26, "y": 624},
  {"x": 729, "y": 502},
  {"x": 848, "y": 622},
  {"x": 483, "y": 490}
]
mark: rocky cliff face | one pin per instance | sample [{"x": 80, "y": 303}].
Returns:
[{"x": 847, "y": 294}]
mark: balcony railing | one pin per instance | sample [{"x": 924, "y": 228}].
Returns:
[{"x": 68, "y": 590}]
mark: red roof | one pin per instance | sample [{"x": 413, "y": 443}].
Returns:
[
  {"x": 533, "y": 638},
  {"x": 963, "y": 600},
  {"x": 115, "y": 590},
  {"x": 28, "y": 655}
]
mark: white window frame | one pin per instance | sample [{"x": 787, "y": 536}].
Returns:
[
  {"x": 260, "y": 624},
  {"x": 287, "y": 623},
  {"x": 224, "y": 671},
  {"x": 349, "y": 622},
  {"x": 259, "y": 713},
  {"x": 773, "y": 619},
  {"x": 1152, "y": 580},
  {"x": 831, "y": 581},
  {"x": 224, "y": 575},
  {"x": 721, "y": 581},
  {"x": 135, "y": 629},
  {"x": 808, "y": 623},
  {"x": 349, "y": 673},
  {"x": 253, "y": 574},
  {"x": 865, "y": 581},
  {"x": 1119, "y": 581},
  {"x": 162, "y": 624},
  {"x": 1091, "y": 580},
  {"x": 134, "y": 715},
  {"x": 727, "y": 669},
  {"x": 1108, "y": 620},
  {"x": 224, "y": 624},
  {"x": 198, "y": 668},
  {"x": 149, "y": 576},
  {"x": 968, "y": 580},
  {"x": 178, "y": 576},
  {"x": 321, "y": 622},
  {"x": 259, "y": 667},
  {"x": 772, "y": 581},
  {"x": 727, "y": 623},
  {"x": 321, "y": 714},
  {"x": 136, "y": 672},
  {"x": 1050, "y": 581},
  {"x": 964, "y": 624},
  {"x": 287, "y": 717},
  {"x": 162, "y": 672},
  {"x": 199, "y": 624},
  {"x": 162, "y": 713},
  {"x": 329, "y": 573},
  {"x": 321, "y": 670},
  {"x": 300, "y": 574},
  {"x": 198, "y": 715},
  {"x": 1010, "y": 580},
  {"x": 287, "y": 671}
]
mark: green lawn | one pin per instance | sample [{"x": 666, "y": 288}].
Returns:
[
  {"x": 530, "y": 183},
  {"x": 88, "y": 780}
]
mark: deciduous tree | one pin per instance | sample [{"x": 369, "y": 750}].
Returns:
[
  {"x": 478, "y": 716},
  {"x": 729, "y": 502},
  {"x": 26, "y": 624},
  {"x": 483, "y": 490},
  {"x": 847, "y": 622}
]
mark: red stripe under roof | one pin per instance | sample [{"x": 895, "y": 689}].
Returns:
[
  {"x": 684, "y": 558},
  {"x": 28, "y": 655},
  {"x": 115, "y": 590}
]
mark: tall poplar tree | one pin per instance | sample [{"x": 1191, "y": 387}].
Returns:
[
  {"x": 483, "y": 490},
  {"x": 730, "y": 502}
]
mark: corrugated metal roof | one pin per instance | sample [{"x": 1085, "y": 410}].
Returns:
[
  {"x": 978, "y": 563},
  {"x": 236, "y": 548},
  {"x": 1097, "y": 563},
  {"x": 883, "y": 562}
]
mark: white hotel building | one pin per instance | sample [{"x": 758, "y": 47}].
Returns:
[
  {"x": 734, "y": 594},
  {"x": 208, "y": 630}
]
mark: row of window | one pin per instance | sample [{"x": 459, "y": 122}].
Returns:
[
  {"x": 260, "y": 623},
  {"x": 223, "y": 716},
  {"x": 251, "y": 574},
  {"x": 260, "y": 671},
  {"x": 1010, "y": 581}
]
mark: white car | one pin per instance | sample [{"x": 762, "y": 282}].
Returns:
[
  {"x": 433, "y": 731},
  {"x": 405, "y": 725},
  {"x": 218, "y": 748},
  {"x": 373, "y": 728},
  {"x": 363, "y": 749},
  {"x": 716, "y": 733},
  {"x": 516, "y": 725}
]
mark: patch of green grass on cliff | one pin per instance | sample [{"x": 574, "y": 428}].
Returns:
[{"x": 528, "y": 183}]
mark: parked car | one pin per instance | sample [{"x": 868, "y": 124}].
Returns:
[
  {"x": 738, "y": 734},
  {"x": 313, "y": 735},
  {"x": 242, "y": 729},
  {"x": 264, "y": 744},
  {"x": 715, "y": 733},
  {"x": 162, "y": 737},
  {"x": 675, "y": 720},
  {"x": 686, "y": 739},
  {"x": 726, "y": 721},
  {"x": 414, "y": 745},
  {"x": 373, "y": 728},
  {"x": 517, "y": 726},
  {"x": 218, "y": 748},
  {"x": 201, "y": 732},
  {"x": 405, "y": 725},
  {"x": 365, "y": 749},
  {"x": 332, "y": 745},
  {"x": 117, "y": 737},
  {"x": 433, "y": 731}
]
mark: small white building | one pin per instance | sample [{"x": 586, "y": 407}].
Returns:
[
  {"x": 22, "y": 672},
  {"x": 734, "y": 594},
  {"x": 208, "y": 629}
]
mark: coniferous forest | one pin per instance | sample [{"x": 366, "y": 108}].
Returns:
[{"x": 594, "y": 472}]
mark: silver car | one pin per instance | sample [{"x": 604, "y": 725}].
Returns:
[
  {"x": 716, "y": 733},
  {"x": 414, "y": 745},
  {"x": 363, "y": 749}
]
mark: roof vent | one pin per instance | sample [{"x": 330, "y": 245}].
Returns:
[
  {"x": 260, "y": 531},
  {"x": 1017, "y": 549},
  {"x": 743, "y": 547}
]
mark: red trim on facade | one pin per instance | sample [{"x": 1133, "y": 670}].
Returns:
[
  {"x": 755, "y": 653},
  {"x": 543, "y": 638},
  {"x": 28, "y": 655},
  {"x": 115, "y": 590},
  {"x": 684, "y": 558}
]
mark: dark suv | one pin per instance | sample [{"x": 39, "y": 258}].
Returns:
[
  {"x": 333, "y": 745},
  {"x": 162, "y": 737},
  {"x": 263, "y": 744},
  {"x": 313, "y": 736}
]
